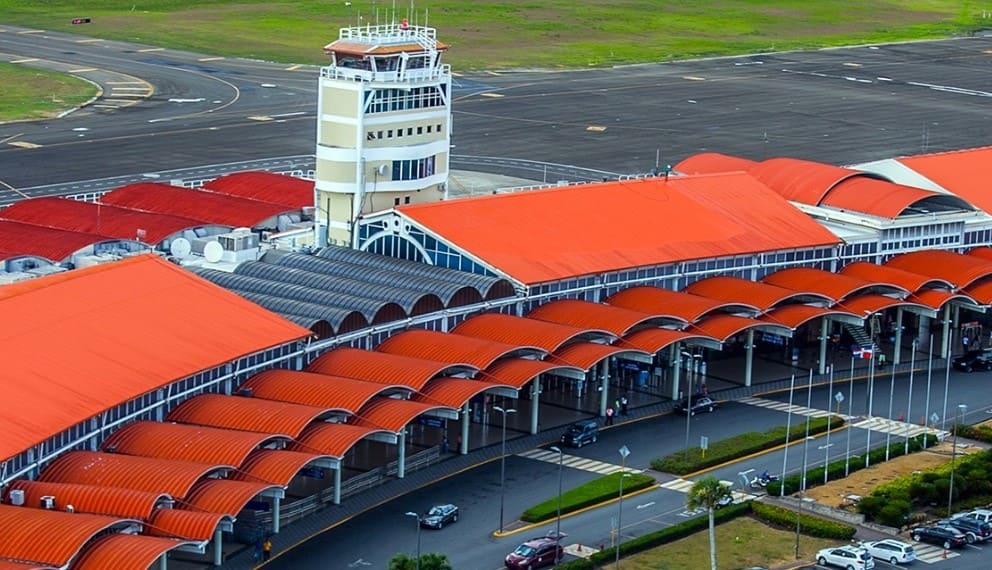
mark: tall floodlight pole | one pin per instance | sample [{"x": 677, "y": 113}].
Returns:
[
  {"x": 802, "y": 486},
  {"x": 954, "y": 448},
  {"x": 926, "y": 413},
  {"x": 909, "y": 404},
  {"x": 416, "y": 517},
  {"x": 788, "y": 432},
  {"x": 561, "y": 458},
  {"x": 624, "y": 452},
  {"x": 502, "y": 464},
  {"x": 830, "y": 421},
  {"x": 871, "y": 400},
  {"x": 947, "y": 383},
  {"x": 892, "y": 390},
  {"x": 850, "y": 414}
]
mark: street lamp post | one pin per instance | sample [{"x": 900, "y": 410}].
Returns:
[
  {"x": 826, "y": 460},
  {"x": 788, "y": 432},
  {"x": 926, "y": 413},
  {"x": 850, "y": 414},
  {"x": 624, "y": 452},
  {"x": 502, "y": 464},
  {"x": 561, "y": 458},
  {"x": 688, "y": 398},
  {"x": 416, "y": 517},
  {"x": 892, "y": 389},
  {"x": 962, "y": 409},
  {"x": 871, "y": 401},
  {"x": 909, "y": 402}
]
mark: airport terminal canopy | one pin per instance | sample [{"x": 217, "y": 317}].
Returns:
[
  {"x": 119, "y": 330},
  {"x": 965, "y": 173},
  {"x": 52, "y": 244},
  {"x": 207, "y": 207},
  {"x": 294, "y": 193}
]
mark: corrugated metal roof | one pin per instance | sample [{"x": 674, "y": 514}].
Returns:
[
  {"x": 294, "y": 193},
  {"x": 454, "y": 348},
  {"x": 885, "y": 199},
  {"x": 52, "y": 244},
  {"x": 339, "y": 320},
  {"x": 455, "y": 392},
  {"x": 936, "y": 299},
  {"x": 542, "y": 235},
  {"x": 125, "y": 552},
  {"x": 724, "y": 327},
  {"x": 47, "y": 537},
  {"x": 245, "y": 413},
  {"x": 393, "y": 415},
  {"x": 611, "y": 319},
  {"x": 802, "y": 181},
  {"x": 836, "y": 286},
  {"x": 892, "y": 276},
  {"x": 870, "y": 304},
  {"x": 713, "y": 163},
  {"x": 963, "y": 172},
  {"x": 8, "y": 565},
  {"x": 511, "y": 329},
  {"x": 97, "y": 219},
  {"x": 333, "y": 439},
  {"x": 980, "y": 291},
  {"x": 191, "y": 525},
  {"x": 185, "y": 442},
  {"x": 224, "y": 495},
  {"x": 517, "y": 372},
  {"x": 683, "y": 305},
  {"x": 958, "y": 269},
  {"x": 276, "y": 466},
  {"x": 793, "y": 316},
  {"x": 128, "y": 472},
  {"x": 653, "y": 340},
  {"x": 585, "y": 355},
  {"x": 313, "y": 389},
  {"x": 91, "y": 315},
  {"x": 92, "y": 499},
  {"x": 764, "y": 296},
  {"x": 385, "y": 368},
  {"x": 207, "y": 207}
]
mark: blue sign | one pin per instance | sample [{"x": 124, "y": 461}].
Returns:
[
  {"x": 312, "y": 472},
  {"x": 431, "y": 422}
]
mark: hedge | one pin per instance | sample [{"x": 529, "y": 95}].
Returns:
[
  {"x": 738, "y": 446},
  {"x": 810, "y": 525},
  {"x": 591, "y": 493},
  {"x": 979, "y": 432}
]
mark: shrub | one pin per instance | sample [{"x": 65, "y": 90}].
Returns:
[
  {"x": 810, "y": 525},
  {"x": 591, "y": 493},
  {"x": 894, "y": 513}
]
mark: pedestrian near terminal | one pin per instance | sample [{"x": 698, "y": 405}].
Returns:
[
  {"x": 623, "y": 405},
  {"x": 266, "y": 549},
  {"x": 881, "y": 360},
  {"x": 444, "y": 445},
  {"x": 258, "y": 550},
  {"x": 964, "y": 342},
  {"x": 609, "y": 416}
]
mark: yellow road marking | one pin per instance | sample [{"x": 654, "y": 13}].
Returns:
[
  {"x": 146, "y": 50},
  {"x": 210, "y": 59},
  {"x": 24, "y": 144},
  {"x": 82, "y": 70},
  {"x": 293, "y": 67},
  {"x": 27, "y": 60},
  {"x": 596, "y": 128}
]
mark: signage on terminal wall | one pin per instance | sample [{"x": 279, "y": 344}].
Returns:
[
  {"x": 431, "y": 422},
  {"x": 312, "y": 472}
]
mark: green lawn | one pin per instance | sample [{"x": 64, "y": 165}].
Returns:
[
  {"x": 741, "y": 543},
  {"x": 34, "y": 94}
]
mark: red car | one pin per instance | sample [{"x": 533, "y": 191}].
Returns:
[{"x": 536, "y": 553}]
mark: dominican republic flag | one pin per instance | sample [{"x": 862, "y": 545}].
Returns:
[{"x": 865, "y": 352}]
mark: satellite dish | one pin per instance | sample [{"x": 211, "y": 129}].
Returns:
[
  {"x": 213, "y": 251},
  {"x": 180, "y": 248},
  {"x": 382, "y": 169}
]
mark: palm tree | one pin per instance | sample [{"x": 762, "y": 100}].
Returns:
[{"x": 707, "y": 492}]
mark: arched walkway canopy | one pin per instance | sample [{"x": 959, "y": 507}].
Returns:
[
  {"x": 868, "y": 305},
  {"x": 683, "y": 305},
  {"x": 937, "y": 298},
  {"x": 525, "y": 331},
  {"x": 585, "y": 355},
  {"x": 958, "y": 269},
  {"x": 49, "y": 537},
  {"x": 763, "y": 296},
  {"x": 249, "y": 414},
  {"x": 599, "y": 316},
  {"x": 893, "y": 276},
  {"x": 517, "y": 372},
  {"x": 445, "y": 347},
  {"x": 276, "y": 466},
  {"x": 653, "y": 341},
  {"x": 794, "y": 316},
  {"x": 336, "y": 439},
  {"x": 724, "y": 327},
  {"x": 192, "y": 525},
  {"x": 92, "y": 499},
  {"x": 456, "y": 392},
  {"x": 339, "y": 393},
  {"x": 394, "y": 415},
  {"x": 185, "y": 442},
  {"x": 981, "y": 291},
  {"x": 126, "y": 552},
  {"x": 227, "y": 496},
  {"x": 889, "y": 200},
  {"x": 802, "y": 181},
  {"x": 835, "y": 286},
  {"x": 385, "y": 368}
]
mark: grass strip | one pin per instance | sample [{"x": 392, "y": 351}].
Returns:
[{"x": 592, "y": 493}]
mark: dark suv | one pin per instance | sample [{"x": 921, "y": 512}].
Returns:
[
  {"x": 973, "y": 360},
  {"x": 974, "y": 530},
  {"x": 581, "y": 433}
]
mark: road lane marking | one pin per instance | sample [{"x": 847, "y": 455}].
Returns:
[
  {"x": 217, "y": 58},
  {"x": 25, "y": 60},
  {"x": 82, "y": 70},
  {"x": 147, "y": 50},
  {"x": 24, "y": 144}
]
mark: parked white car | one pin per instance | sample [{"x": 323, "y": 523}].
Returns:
[
  {"x": 983, "y": 515},
  {"x": 891, "y": 551},
  {"x": 846, "y": 557}
]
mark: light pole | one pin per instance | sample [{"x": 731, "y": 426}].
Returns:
[
  {"x": 909, "y": 403},
  {"x": 892, "y": 390},
  {"x": 788, "y": 432},
  {"x": 688, "y": 398},
  {"x": 871, "y": 401},
  {"x": 830, "y": 392},
  {"x": 561, "y": 457},
  {"x": 502, "y": 465},
  {"x": 624, "y": 452},
  {"x": 850, "y": 414},
  {"x": 826, "y": 459},
  {"x": 947, "y": 383},
  {"x": 926, "y": 413},
  {"x": 416, "y": 517},
  {"x": 962, "y": 409}
]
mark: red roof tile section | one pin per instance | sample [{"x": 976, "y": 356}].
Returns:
[
  {"x": 650, "y": 222},
  {"x": 291, "y": 192},
  {"x": 455, "y": 392},
  {"x": 684, "y": 305},
  {"x": 104, "y": 220},
  {"x": 454, "y": 348},
  {"x": 125, "y": 552},
  {"x": 599, "y": 316},
  {"x": 511, "y": 329},
  {"x": 390, "y": 369},
  {"x": 47, "y": 537},
  {"x": 312, "y": 389},
  {"x": 52, "y": 244},
  {"x": 802, "y": 181},
  {"x": 891, "y": 276},
  {"x": 190, "y": 525},
  {"x": 185, "y": 442},
  {"x": 724, "y": 327},
  {"x": 870, "y": 304},
  {"x": 517, "y": 372},
  {"x": 653, "y": 340},
  {"x": 224, "y": 495},
  {"x": 876, "y": 197},
  {"x": 713, "y": 163},
  {"x": 835, "y": 286},
  {"x": 246, "y": 413},
  {"x": 103, "y": 306},
  {"x": 93, "y": 499},
  {"x": 981, "y": 252},
  {"x": 207, "y": 207},
  {"x": 392, "y": 414},
  {"x": 276, "y": 466},
  {"x": 936, "y": 298},
  {"x": 8, "y": 565},
  {"x": 128, "y": 472},
  {"x": 960, "y": 270},
  {"x": 793, "y": 316},
  {"x": 585, "y": 355},
  {"x": 333, "y": 439},
  {"x": 965, "y": 172},
  {"x": 763, "y": 296}
]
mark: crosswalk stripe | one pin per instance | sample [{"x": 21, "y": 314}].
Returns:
[
  {"x": 575, "y": 462},
  {"x": 929, "y": 553}
]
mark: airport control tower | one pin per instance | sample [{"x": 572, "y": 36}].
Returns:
[{"x": 384, "y": 124}]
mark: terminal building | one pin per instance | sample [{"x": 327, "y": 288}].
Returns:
[{"x": 179, "y": 402}]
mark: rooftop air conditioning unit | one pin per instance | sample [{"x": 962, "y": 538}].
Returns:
[
  {"x": 48, "y": 502},
  {"x": 17, "y": 497}
]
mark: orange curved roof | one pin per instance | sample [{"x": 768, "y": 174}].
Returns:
[
  {"x": 615, "y": 320},
  {"x": 383, "y": 367},
  {"x": 712, "y": 163},
  {"x": 723, "y": 327},
  {"x": 47, "y": 537},
  {"x": 445, "y": 347},
  {"x": 870, "y": 304},
  {"x": 936, "y": 298},
  {"x": 248, "y": 414},
  {"x": 225, "y": 496},
  {"x": 763, "y": 296},
  {"x": 191, "y": 525},
  {"x": 793, "y": 316},
  {"x": 875, "y": 197},
  {"x": 585, "y": 355},
  {"x": 333, "y": 439},
  {"x": 394, "y": 415},
  {"x": 50, "y": 243},
  {"x": 892, "y": 276},
  {"x": 683, "y": 305},
  {"x": 85, "y": 311},
  {"x": 964, "y": 172},
  {"x": 312, "y": 389},
  {"x": 128, "y": 472},
  {"x": 454, "y": 392},
  {"x": 834, "y": 286},
  {"x": 518, "y": 371},
  {"x": 277, "y": 466},
  {"x": 802, "y": 181},
  {"x": 511, "y": 329},
  {"x": 92, "y": 499},
  {"x": 9, "y": 565},
  {"x": 983, "y": 252},
  {"x": 981, "y": 292},
  {"x": 185, "y": 442},
  {"x": 653, "y": 340},
  {"x": 958, "y": 269},
  {"x": 125, "y": 552},
  {"x": 206, "y": 207},
  {"x": 292, "y": 192}
]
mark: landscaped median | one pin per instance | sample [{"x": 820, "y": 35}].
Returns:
[{"x": 592, "y": 493}]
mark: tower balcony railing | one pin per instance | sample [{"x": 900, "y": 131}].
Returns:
[{"x": 410, "y": 76}]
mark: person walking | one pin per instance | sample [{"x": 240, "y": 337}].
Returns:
[
  {"x": 266, "y": 549},
  {"x": 623, "y": 405},
  {"x": 609, "y": 416},
  {"x": 258, "y": 550}
]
